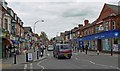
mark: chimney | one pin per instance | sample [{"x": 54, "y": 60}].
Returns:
[
  {"x": 86, "y": 22},
  {"x": 80, "y": 25}
]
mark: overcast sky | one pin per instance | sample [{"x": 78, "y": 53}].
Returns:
[{"x": 58, "y": 15}]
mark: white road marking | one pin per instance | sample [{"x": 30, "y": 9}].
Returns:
[
  {"x": 41, "y": 65},
  {"x": 48, "y": 54},
  {"x": 76, "y": 58},
  {"x": 101, "y": 64},
  {"x": 104, "y": 65},
  {"x": 31, "y": 67},
  {"x": 91, "y": 62},
  {"x": 25, "y": 66}
]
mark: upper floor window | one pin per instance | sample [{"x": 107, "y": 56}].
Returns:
[
  {"x": 6, "y": 23},
  {"x": 106, "y": 25},
  {"x": 113, "y": 24},
  {"x": 96, "y": 29},
  {"x": 92, "y": 30}
]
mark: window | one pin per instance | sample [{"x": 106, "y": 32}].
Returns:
[
  {"x": 96, "y": 29},
  {"x": 113, "y": 25},
  {"x": 106, "y": 26},
  {"x": 86, "y": 32},
  {"x": 92, "y": 30},
  {"x": 115, "y": 41},
  {"x": 6, "y": 22}
]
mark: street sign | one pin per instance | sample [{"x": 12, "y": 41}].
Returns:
[{"x": 30, "y": 57}]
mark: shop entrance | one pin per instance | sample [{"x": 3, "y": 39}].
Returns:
[{"x": 99, "y": 44}]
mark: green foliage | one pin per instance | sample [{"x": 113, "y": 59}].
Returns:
[{"x": 44, "y": 36}]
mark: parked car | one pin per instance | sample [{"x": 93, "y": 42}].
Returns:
[
  {"x": 50, "y": 48},
  {"x": 62, "y": 50}
]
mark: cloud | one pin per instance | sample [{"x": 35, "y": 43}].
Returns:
[
  {"x": 58, "y": 16},
  {"x": 61, "y": 0}
]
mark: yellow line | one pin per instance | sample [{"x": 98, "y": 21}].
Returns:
[{"x": 5, "y": 65}]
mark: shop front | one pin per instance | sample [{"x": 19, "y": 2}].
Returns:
[{"x": 104, "y": 41}]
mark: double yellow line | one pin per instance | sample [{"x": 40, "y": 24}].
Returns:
[{"x": 5, "y": 65}]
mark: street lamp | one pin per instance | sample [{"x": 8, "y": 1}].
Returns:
[{"x": 34, "y": 27}]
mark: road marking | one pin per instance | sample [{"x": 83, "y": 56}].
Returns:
[
  {"x": 31, "y": 67},
  {"x": 76, "y": 58},
  {"x": 48, "y": 54},
  {"x": 25, "y": 66},
  {"x": 91, "y": 62},
  {"x": 100, "y": 64},
  {"x": 104, "y": 65},
  {"x": 41, "y": 65}
]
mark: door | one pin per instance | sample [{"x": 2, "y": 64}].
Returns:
[{"x": 99, "y": 44}]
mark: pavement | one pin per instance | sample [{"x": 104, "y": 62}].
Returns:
[{"x": 7, "y": 63}]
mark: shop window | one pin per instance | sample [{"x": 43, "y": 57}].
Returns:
[{"x": 115, "y": 41}]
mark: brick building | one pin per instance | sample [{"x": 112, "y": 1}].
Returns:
[{"x": 103, "y": 34}]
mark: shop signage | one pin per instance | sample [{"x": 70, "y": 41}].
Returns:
[
  {"x": 30, "y": 57},
  {"x": 116, "y": 34}
]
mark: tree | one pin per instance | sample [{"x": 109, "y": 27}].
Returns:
[{"x": 44, "y": 36}]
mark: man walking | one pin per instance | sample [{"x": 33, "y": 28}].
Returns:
[{"x": 86, "y": 48}]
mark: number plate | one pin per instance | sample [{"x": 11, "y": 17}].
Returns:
[{"x": 65, "y": 54}]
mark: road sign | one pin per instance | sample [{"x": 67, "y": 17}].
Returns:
[{"x": 30, "y": 57}]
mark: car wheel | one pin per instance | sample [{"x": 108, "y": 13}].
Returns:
[
  {"x": 53, "y": 55},
  {"x": 57, "y": 57}
]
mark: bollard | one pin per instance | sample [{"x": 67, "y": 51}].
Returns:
[
  {"x": 97, "y": 52},
  {"x": 111, "y": 52},
  {"x": 14, "y": 58},
  {"x": 86, "y": 51},
  {"x": 37, "y": 55},
  {"x": 26, "y": 57}
]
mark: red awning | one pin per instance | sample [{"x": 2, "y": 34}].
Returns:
[{"x": 6, "y": 41}]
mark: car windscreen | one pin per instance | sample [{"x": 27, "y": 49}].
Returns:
[
  {"x": 65, "y": 47},
  {"x": 50, "y": 46}
]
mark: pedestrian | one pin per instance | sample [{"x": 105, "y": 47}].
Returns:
[
  {"x": 42, "y": 50},
  {"x": 98, "y": 51},
  {"x": 86, "y": 48},
  {"x": 80, "y": 48},
  {"x": 39, "y": 49}
]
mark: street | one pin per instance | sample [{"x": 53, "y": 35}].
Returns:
[{"x": 77, "y": 62}]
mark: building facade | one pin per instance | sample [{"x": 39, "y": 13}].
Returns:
[{"x": 103, "y": 34}]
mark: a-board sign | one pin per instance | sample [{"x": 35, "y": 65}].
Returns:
[{"x": 30, "y": 57}]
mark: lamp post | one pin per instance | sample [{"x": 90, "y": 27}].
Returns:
[
  {"x": 34, "y": 27},
  {"x": 34, "y": 32}
]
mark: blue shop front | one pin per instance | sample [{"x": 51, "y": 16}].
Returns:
[{"x": 103, "y": 41}]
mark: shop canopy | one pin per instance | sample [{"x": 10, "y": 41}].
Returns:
[
  {"x": 6, "y": 41},
  {"x": 15, "y": 42},
  {"x": 102, "y": 35}
]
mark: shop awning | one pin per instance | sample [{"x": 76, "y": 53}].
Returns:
[
  {"x": 6, "y": 41},
  {"x": 102, "y": 35},
  {"x": 15, "y": 42}
]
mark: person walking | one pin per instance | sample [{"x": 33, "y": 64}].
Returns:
[
  {"x": 86, "y": 48},
  {"x": 42, "y": 51},
  {"x": 39, "y": 50}
]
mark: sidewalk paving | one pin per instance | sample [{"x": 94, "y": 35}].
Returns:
[
  {"x": 101, "y": 53},
  {"x": 21, "y": 59}
]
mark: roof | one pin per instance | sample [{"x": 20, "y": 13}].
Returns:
[
  {"x": 28, "y": 29},
  {"x": 115, "y": 8}
]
